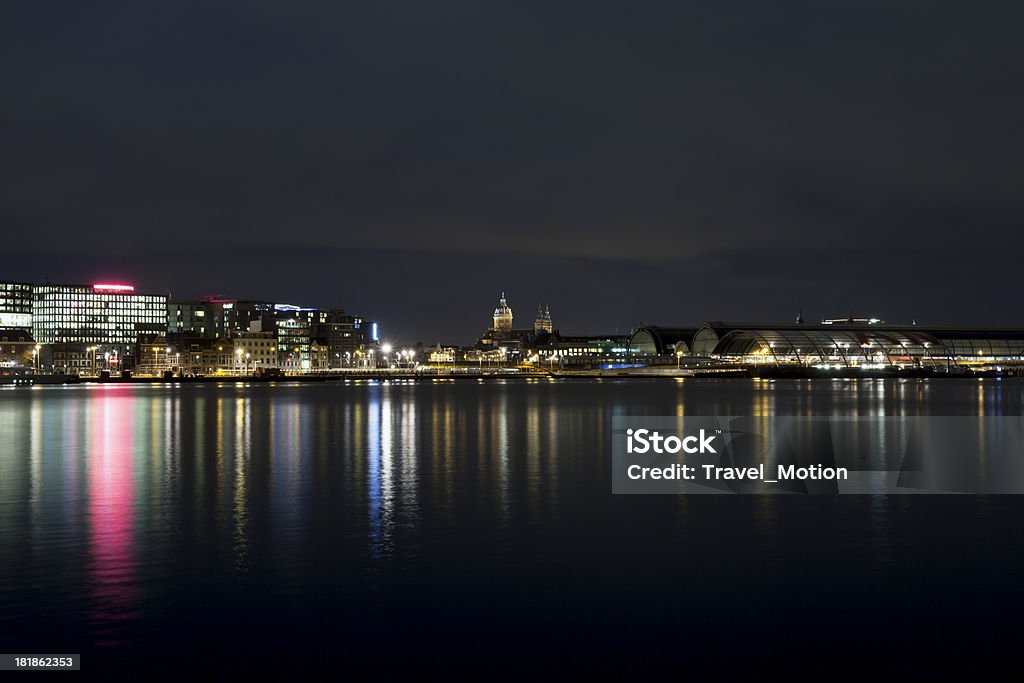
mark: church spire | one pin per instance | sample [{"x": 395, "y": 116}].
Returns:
[{"x": 543, "y": 321}]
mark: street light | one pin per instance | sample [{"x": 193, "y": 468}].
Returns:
[{"x": 35, "y": 357}]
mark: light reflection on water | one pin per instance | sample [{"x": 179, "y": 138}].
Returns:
[{"x": 126, "y": 508}]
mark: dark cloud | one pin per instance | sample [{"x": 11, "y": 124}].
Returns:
[{"x": 625, "y": 160}]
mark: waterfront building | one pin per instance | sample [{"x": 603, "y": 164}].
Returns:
[
  {"x": 836, "y": 342},
  {"x": 197, "y": 355},
  {"x": 15, "y": 306},
  {"x": 319, "y": 354},
  {"x": 108, "y": 316},
  {"x": 580, "y": 350},
  {"x": 651, "y": 340},
  {"x": 442, "y": 354},
  {"x": 17, "y": 348},
  {"x": 70, "y": 358},
  {"x": 344, "y": 334},
  {"x": 294, "y": 331},
  {"x": 154, "y": 355},
  {"x": 254, "y": 351},
  {"x": 208, "y": 317},
  {"x": 339, "y": 336},
  {"x": 215, "y": 317}
]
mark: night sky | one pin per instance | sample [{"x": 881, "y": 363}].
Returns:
[{"x": 620, "y": 161}]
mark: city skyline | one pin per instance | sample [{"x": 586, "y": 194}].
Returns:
[
  {"x": 578, "y": 316},
  {"x": 669, "y": 165},
  {"x": 63, "y": 330}
]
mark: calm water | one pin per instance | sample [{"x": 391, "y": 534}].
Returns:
[{"x": 369, "y": 526}]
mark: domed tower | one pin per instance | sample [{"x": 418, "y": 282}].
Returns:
[
  {"x": 502, "y": 316},
  {"x": 542, "y": 323}
]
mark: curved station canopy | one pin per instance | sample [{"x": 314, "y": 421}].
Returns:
[{"x": 830, "y": 343}]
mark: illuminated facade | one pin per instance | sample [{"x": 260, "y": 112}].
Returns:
[
  {"x": 502, "y": 316},
  {"x": 101, "y": 314},
  {"x": 839, "y": 343},
  {"x": 15, "y": 306},
  {"x": 254, "y": 351},
  {"x": 502, "y": 335},
  {"x": 581, "y": 349},
  {"x": 542, "y": 323},
  {"x": 294, "y": 328}
]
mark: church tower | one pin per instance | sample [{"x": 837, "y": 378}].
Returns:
[
  {"x": 502, "y": 316},
  {"x": 542, "y": 323}
]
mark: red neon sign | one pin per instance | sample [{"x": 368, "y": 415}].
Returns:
[{"x": 113, "y": 288}]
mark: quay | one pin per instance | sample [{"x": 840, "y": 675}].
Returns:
[{"x": 526, "y": 374}]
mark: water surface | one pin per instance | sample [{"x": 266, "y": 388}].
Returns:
[{"x": 366, "y": 526}]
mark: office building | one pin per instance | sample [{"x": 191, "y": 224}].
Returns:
[
  {"x": 106, "y": 315},
  {"x": 15, "y": 306}
]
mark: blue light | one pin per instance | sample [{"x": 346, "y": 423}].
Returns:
[{"x": 373, "y": 336}]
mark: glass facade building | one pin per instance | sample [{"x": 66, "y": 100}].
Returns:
[
  {"x": 15, "y": 305},
  {"x": 99, "y": 314}
]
